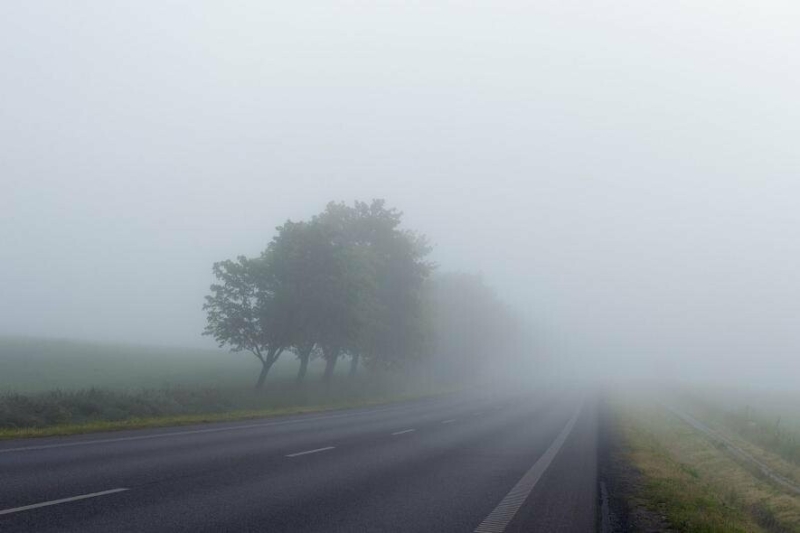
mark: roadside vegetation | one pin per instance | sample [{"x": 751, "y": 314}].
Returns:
[
  {"x": 349, "y": 284},
  {"x": 694, "y": 484},
  {"x": 769, "y": 422},
  {"x": 87, "y": 410},
  {"x": 58, "y": 387}
]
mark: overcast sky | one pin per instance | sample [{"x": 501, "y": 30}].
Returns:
[{"x": 626, "y": 173}]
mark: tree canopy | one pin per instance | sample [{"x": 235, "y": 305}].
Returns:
[
  {"x": 352, "y": 282},
  {"x": 347, "y": 282}
]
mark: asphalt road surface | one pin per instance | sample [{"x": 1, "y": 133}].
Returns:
[{"x": 461, "y": 463}]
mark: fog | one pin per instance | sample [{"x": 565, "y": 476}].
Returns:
[{"x": 626, "y": 175}]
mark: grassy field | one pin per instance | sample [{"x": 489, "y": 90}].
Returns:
[
  {"x": 34, "y": 365},
  {"x": 694, "y": 483},
  {"x": 53, "y": 387}
]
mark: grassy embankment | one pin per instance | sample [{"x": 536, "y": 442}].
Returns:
[
  {"x": 767, "y": 424},
  {"x": 54, "y": 387},
  {"x": 692, "y": 482}
]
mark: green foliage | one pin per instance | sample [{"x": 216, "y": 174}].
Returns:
[
  {"x": 247, "y": 310},
  {"x": 349, "y": 281},
  {"x": 394, "y": 331}
]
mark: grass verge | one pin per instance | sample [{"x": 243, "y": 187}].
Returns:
[
  {"x": 693, "y": 483},
  {"x": 182, "y": 420},
  {"x": 766, "y": 430}
]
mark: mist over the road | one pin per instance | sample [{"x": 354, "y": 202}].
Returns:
[{"x": 626, "y": 175}]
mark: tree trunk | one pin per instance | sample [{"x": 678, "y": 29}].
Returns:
[
  {"x": 301, "y": 374},
  {"x": 305, "y": 356},
  {"x": 330, "y": 364},
  {"x": 354, "y": 365},
  {"x": 262, "y": 377},
  {"x": 267, "y": 363}
]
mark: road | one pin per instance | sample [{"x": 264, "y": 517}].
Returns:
[{"x": 460, "y": 463}]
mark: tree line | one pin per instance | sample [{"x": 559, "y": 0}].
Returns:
[{"x": 352, "y": 283}]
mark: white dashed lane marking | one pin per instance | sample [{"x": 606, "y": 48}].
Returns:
[
  {"x": 308, "y": 452},
  {"x": 62, "y": 500}
]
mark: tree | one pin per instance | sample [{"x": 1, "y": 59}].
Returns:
[
  {"x": 305, "y": 351},
  {"x": 347, "y": 278},
  {"x": 246, "y": 311},
  {"x": 326, "y": 281},
  {"x": 293, "y": 255},
  {"x": 471, "y": 325},
  {"x": 358, "y": 280},
  {"x": 349, "y": 281},
  {"x": 395, "y": 331}
]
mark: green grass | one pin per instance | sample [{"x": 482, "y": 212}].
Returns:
[
  {"x": 34, "y": 365},
  {"x": 86, "y": 406},
  {"x": 181, "y": 420},
  {"x": 696, "y": 485},
  {"x": 770, "y": 421},
  {"x": 57, "y": 387}
]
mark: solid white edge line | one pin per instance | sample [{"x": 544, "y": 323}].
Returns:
[
  {"x": 404, "y": 431},
  {"x": 298, "y": 454},
  {"x": 501, "y": 516},
  {"x": 62, "y": 500}
]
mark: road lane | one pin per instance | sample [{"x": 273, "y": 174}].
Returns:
[
  {"x": 444, "y": 477},
  {"x": 30, "y": 474}
]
